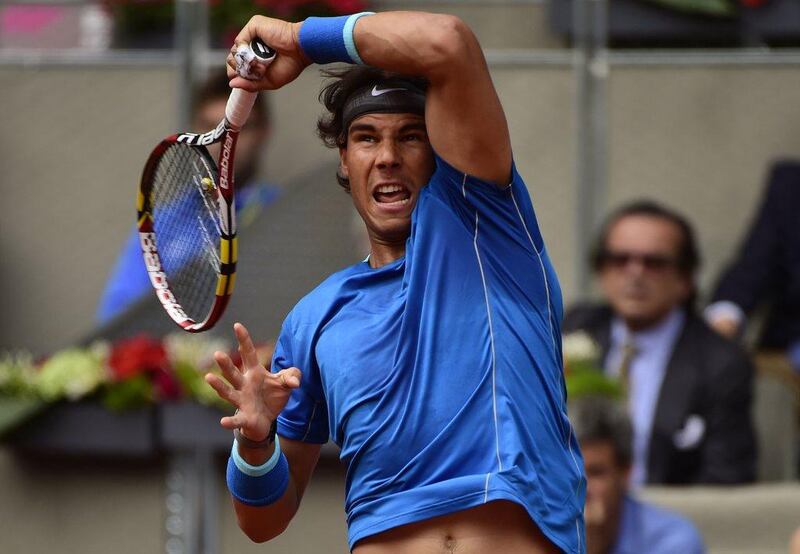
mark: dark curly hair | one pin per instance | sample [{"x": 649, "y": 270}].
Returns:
[{"x": 341, "y": 84}]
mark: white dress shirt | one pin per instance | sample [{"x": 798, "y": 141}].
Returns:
[{"x": 645, "y": 374}]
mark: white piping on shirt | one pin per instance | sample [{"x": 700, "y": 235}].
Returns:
[
  {"x": 544, "y": 273},
  {"x": 553, "y": 340},
  {"x": 491, "y": 338}
]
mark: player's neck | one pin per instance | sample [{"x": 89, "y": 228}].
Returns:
[{"x": 382, "y": 253}]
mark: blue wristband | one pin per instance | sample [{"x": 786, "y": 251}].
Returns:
[
  {"x": 256, "y": 471},
  {"x": 330, "y": 39},
  {"x": 257, "y": 485}
]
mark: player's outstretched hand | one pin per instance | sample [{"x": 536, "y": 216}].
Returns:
[
  {"x": 258, "y": 394},
  {"x": 280, "y": 35}
]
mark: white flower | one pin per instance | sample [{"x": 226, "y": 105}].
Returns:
[
  {"x": 71, "y": 373},
  {"x": 579, "y": 346},
  {"x": 193, "y": 350},
  {"x": 16, "y": 370}
]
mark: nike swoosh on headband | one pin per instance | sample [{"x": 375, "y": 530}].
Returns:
[{"x": 376, "y": 92}]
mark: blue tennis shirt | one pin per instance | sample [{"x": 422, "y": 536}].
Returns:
[{"x": 439, "y": 375}]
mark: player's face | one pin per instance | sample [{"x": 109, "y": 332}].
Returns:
[
  {"x": 639, "y": 272},
  {"x": 249, "y": 146},
  {"x": 388, "y": 160}
]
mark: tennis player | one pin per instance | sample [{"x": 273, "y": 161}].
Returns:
[{"x": 435, "y": 364}]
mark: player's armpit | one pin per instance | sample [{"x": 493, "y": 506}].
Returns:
[{"x": 263, "y": 523}]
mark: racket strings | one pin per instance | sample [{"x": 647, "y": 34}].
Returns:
[{"x": 187, "y": 226}]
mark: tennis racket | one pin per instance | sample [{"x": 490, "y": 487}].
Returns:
[{"x": 186, "y": 215}]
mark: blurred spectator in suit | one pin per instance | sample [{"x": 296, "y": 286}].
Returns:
[
  {"x": 129, "y": 281},
  {"x": 767, "y": 269},
  {"x": 689, "y": 389},
  {"x": 616, "y": 522}
]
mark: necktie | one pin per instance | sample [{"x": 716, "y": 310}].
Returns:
[{"x": 629, "y": 351}]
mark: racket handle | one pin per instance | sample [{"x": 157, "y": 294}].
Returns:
[
  {"x": 237, "y": 110},
  {"x": 241, "y": 101}
]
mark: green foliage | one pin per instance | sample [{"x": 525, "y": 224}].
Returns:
[
  {"x": 194, "y": 383},
  {"x": 585, "y": 379},
  {"x": 130, "y": 393}
]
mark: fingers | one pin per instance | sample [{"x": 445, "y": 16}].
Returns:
[
  {"x": 236, "y": 421},
  {"x": 289, "y": 378},
  {"x": 250, "y": 30},
  {"x": 242, "y": 83},
  {"x": 246, "y": 347},
  {"x": 224, "y": 391},
  {"x": 229, "y": 369}
]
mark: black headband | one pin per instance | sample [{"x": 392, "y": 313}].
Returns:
[{"x": 387, "y": 97}]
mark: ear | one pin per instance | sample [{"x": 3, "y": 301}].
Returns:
[{"x": 343, "y": 170}]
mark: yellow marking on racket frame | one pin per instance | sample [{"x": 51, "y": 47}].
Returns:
[
  {"x": 222, "y": 285},
  {"x": 228, "y": 250},
  {"x": 225, "y": 284},
  {"x": 140, "y": 207}
]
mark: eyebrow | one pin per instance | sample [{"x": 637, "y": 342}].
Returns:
[{"x": 415, "y": 126}]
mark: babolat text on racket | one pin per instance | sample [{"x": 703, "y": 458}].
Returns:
[{"x": 186, "y": 213}]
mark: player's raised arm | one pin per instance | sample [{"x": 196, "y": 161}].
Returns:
[{"x": 465, "y": 121}]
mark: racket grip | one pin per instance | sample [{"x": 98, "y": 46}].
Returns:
[
  {"x": 241, "y": 101},
  {"x": 237, "y": 110}
]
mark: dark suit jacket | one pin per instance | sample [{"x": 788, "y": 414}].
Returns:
[
  {"x": 768, "y": 265},
  {"x": 707, "y": 377}
]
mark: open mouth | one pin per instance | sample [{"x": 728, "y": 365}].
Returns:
[{"x": 391, "y": 195}]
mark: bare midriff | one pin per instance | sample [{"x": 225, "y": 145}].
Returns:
[{"x": 497, "y": 527}]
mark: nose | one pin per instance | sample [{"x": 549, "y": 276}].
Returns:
[
  {"x": 388, "y": 155},
  {"x": 635, "y": 267}
]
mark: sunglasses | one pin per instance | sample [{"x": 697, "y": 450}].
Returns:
[{"x": 650, "y": 262}]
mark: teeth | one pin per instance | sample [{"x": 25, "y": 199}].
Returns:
[
  {"x": 389, "y": 188},
  {"x": 397, "y": 202}
]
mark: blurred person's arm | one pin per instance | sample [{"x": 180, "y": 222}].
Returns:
[
  {"x": 726, "y": 318},
  {"x": 127, "y": 283},
  {"x": 755, "y": 274}
]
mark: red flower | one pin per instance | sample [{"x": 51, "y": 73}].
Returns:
[
  {"x": 346, "y": 6},
  {"x": 137, "y": 355},
  {"x": 166, "y": 386}
]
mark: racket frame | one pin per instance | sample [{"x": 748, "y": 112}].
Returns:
[
  {"x": 237, "y": 111},
  {"x": 226, "y": 134}
]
